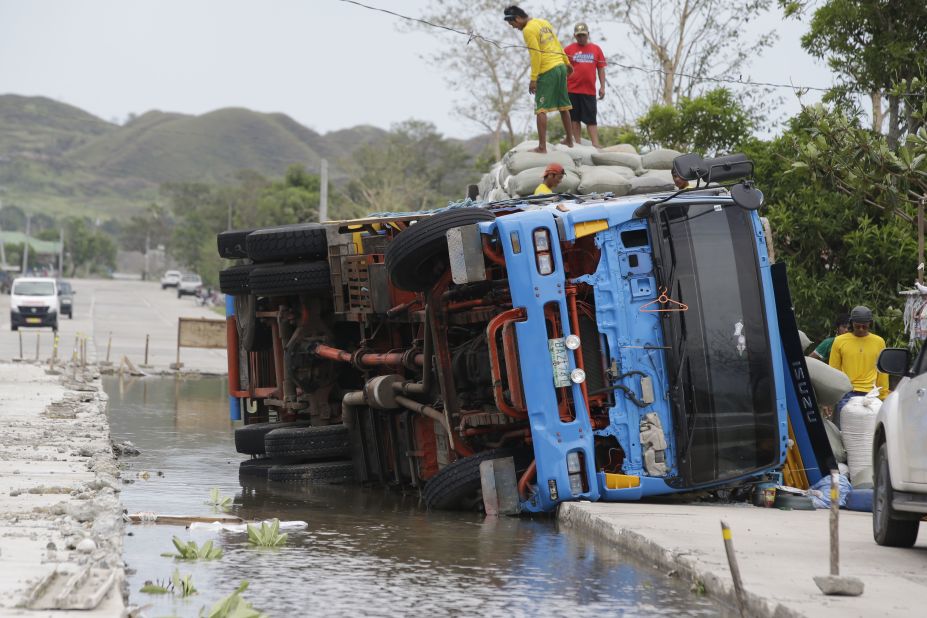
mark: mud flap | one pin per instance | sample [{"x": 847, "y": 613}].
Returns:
[
  {"x": 500, "y": 486},
  {"x": 804, "y": 416}
]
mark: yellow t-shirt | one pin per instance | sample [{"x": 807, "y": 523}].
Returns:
[
  {"x": 546, "y": 51},
  {"x": 856, "y": 357},
  {"x": 542, "y": 189}
]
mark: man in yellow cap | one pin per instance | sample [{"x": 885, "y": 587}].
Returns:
[
  {"x": 553, "y": 176},
  {"x": 588, "y": 61},
  {"x": 549, "y": 70}
]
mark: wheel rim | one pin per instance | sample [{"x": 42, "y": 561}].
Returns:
[{"x": 881, "y": 496}]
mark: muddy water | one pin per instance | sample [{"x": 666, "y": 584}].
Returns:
[{"x": 366, "y": 551}]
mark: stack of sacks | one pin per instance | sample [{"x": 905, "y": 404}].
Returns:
[{"x": 618, "y": 170}]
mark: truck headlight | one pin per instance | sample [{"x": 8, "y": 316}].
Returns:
[
  {"x": 542, "y": 254},
  {"x": 573, "y": 465},
  {"x": 576, "y": 484}
]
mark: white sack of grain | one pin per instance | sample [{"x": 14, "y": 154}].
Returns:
[
  {"x": 651, "y": 182},
  {"x": 625, "y": 159},
  {"x": 605, "y": 179},
  {"x": 659, "y": 159}
]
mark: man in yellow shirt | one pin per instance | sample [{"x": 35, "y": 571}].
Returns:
[
  {"x": 549, "y": 70},
  {"x": 855, "y": 353},
  {"x": 553, "y": 175}
]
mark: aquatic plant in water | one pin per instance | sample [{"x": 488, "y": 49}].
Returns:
[
  {"x": 178, "y": 585},
  {"x": 232, "y": 606},
  {"x": 266, "y": 536},
  {"x": 217, "y": 501},
  {"x": 191, "y": 551}
]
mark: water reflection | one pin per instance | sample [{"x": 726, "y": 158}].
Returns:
[{"x": 366, "y": 551}]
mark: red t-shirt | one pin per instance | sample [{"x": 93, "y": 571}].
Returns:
[{"x": 585, "y": 60}]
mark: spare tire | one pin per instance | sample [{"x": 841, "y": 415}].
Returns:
[
  {"x": 250, "y": 438},
  {"x": 234, "y": 280},
  {"x": 253, "y": 335},
  {"x": 287, "y": 279},
  {"x": 417, "y": 257},
  {"x": 302, "y": 241},
  {"x": 457, "y": 487},
  {"x": 308, "y": 443},
  {"x": 328, "y": 472},
  {"x": 232, "y": 244}
]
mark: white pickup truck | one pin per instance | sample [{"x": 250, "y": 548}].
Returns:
[{"x": 899, "y": 451}]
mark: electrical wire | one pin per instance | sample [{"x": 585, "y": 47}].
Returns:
[{"x": 475, "y": 36}]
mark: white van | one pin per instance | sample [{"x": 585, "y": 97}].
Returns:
[{"x": 34, "y": 302}]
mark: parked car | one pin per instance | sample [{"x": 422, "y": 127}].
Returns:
[
  {"x": 171, "y": 279},
  {"x": 66, "y": 299},
  {"x": 34, "y": 302},
  {"x": 190, "y": 284},
  {"x": 899, "y": 459}
]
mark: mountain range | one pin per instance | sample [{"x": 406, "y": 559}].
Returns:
[{"x": 58, "y": 159}]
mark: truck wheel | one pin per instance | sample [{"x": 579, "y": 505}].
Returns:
[
  {"x": 308, "y": 443},
  {"x": 287, "y": 279},
  {"x": 328, "y": 472},
  {"x": 249, "y": 439},
  {"x": 305, "y": 241},
  {"x": 232, "y": 244},
  {"x": 457, "y": 487},
  {"x": 887, "y": 527},
  {"x": 253, "y": 335},
  {"x": 235, "y": 280},
  {"x": 417, "y": 257}
]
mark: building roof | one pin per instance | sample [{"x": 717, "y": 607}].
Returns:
[{"x": 43, "y": 247}]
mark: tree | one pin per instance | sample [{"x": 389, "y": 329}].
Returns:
[
  {"x": 489, "y": 71},
  {"x": 685, "y": 41},
  {"x": 875, "y": 47},
  {"x": 414, "y": 168},
  {"x": 148, "y": 229},
  {"x": 843, "y": 246},
  {"x": 712, "y": 123},
  {"x": 90, "y": 250}
]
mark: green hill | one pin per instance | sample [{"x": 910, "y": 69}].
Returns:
[{"x": 58, "y": 159}]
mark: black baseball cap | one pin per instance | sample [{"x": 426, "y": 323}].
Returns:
[{"x": 510, "y": 13}]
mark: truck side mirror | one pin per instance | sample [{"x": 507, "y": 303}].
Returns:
[
  {"x": 894, "y": 361},
  {"x": 747, "y": 196}
]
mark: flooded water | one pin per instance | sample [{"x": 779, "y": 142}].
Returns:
[{"x": 365, "y": 552}]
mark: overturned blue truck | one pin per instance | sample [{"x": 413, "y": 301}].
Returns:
[{"x": 604, "y": 348}]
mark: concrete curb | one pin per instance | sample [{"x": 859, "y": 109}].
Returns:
[
  {"x": 61, "y": 526},
  {"x": 674, "y": 563}
]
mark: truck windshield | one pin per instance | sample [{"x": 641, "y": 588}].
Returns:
[
  {"x": 34, "y": 288},
  {"x": 719, "y": 352}
]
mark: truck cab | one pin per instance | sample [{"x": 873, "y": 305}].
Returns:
[{"x": 613, "y": 348}]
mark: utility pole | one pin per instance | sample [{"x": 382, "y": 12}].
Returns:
[
  {"x": 323, "y": 192},
  {"x": 60, "y": 252},
  {"x": 2, "y": 248},
  {"x": 25, "y": 265},
  {"x": 228, "y": 225},
  {"x": 920, "y": 240},
  {"x": 147, "y": 245}
]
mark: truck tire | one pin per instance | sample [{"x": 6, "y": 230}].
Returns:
[
  {"x": 302, "y": 241},
  {"x": 308, "y": 443},
  {"x": 256, "y": 468},
  {"x": 233, "y": 244},
  {"x": 889, "y": 527},
  {"x": 235, "y": 280},
  {"x": 253, "y": 335},
  {"x": 327, "y": 472},
  {"x": 249, "y": 440},
  {"x": 287, "y": 279},
  {"x": 457, "y": 487},
  {"x": 417, "y": 257}
]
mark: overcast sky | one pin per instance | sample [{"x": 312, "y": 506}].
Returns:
[{"x": 328, "y": 64}]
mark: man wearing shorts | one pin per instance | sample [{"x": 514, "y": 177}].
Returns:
[
  {"x": 588, "y": 60},
  {"x": 549, "y": 70}
]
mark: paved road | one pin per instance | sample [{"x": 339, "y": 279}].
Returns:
[{"x": 127, "y": 309}]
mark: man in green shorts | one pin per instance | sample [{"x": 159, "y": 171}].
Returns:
[{"x": 549, "y": 70}]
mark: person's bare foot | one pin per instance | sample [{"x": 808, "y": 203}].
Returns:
[
  {"x": 568, "y": 144},
  {"x": 539, "y": 150}
]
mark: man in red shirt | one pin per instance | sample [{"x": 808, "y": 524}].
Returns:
[{"x": 587, "y": 60}]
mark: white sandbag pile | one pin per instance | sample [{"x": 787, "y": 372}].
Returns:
[
  {"x": 618, "y": 170},
  {"x": 830, "y": 384},
  {"x": 857, "y": 426}
]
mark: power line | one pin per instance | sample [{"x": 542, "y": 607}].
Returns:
[{"x": 475, "y": 36}]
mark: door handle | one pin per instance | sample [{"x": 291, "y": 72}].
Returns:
[{"x": 920, "y": 392}]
